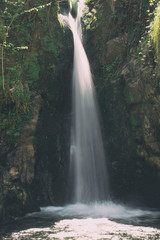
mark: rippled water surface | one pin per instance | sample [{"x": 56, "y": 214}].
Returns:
[{"x": 80, "y": 222}]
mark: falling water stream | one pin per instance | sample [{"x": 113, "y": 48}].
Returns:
[
  {"x": 87, "y": 153},
  {"x": 92, "y": 216}
]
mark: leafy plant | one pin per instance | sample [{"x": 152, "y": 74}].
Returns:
[
  {"x": 24, "y": 58},
  {"x": 154, "y": 29}
]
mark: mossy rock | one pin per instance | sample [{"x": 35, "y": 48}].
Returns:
[{"x": 74, "y": 8}]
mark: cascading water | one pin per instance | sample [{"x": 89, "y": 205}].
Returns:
[
  {"x": 88, "y": 218},
  {"x": 86, "y": 151}
]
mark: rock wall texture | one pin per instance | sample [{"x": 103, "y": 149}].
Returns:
[
  {"x": 35, "y": 111},
  {"x": 28, "y": 71},
  {"x": 126, "y": 77}
]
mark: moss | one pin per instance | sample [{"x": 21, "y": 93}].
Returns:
[
  {"x": 154, "y": 31},
  {"x": 126, "y": 99},
  {"x": 128, "y": 96},
  {"x": 32, "y": 67},
  {"x": 33, "y": 46},
  {"x": 11, "y": 124},
  {"x": 18, "y": 200},
  {"x": 73, "y": 4}
]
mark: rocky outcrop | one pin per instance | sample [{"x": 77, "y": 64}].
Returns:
[
  {"x": 39, "y": 30},
  {"x": 143, "y": 88},
  {"x": 21, "y": 161},
  {"x": 126, "y": 78},
  {"x": 20, "y": 170},
  {"x": 33, "y": 170},
  {"x": 53, "y": 132},
  {"x": 115, "y": 49}
]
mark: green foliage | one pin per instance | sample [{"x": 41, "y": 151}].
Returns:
[
  {"x": 2, "y": 30},
  {"x": 11, "y": 124},
  {"x": 51, "y": 41},
  {"x": 32, "y": 43},
  {"x": 49, "y": 46},
  {"x": 90, "y": 17},
  {"x": 112, "y": 72},
  {"x": 32, "y": 39},
  {"x": 132, "y": 17},
  {"x": 32, "y": 67},
  {"x": 154, "y": 30},
  {"x": 73, "y": 4}
]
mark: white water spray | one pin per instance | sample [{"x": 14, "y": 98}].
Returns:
[
  {"x": 88, "y": 219},
  {"x": 86, "y": 152}
]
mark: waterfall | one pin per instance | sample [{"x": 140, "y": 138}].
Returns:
[{"x": 87, "y": 158}]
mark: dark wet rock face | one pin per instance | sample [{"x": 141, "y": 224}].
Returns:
[
  {"x": 128, "y": 94},
  {"x": 34, "y": 170},
  {"x": 64, "y": 7},
  {"x": 53, "y": 132},
  {"x": 19, "y": 173},
  {"x": 21, "y": 161}
]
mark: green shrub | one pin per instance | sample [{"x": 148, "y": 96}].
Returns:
[{"x": 155, "y": 29}]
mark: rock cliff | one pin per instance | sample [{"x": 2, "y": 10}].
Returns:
[
  {"x": 34, "y": 49},
  {"x": 35, "y": 106},
  {"x": 126, "y": 76}
]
